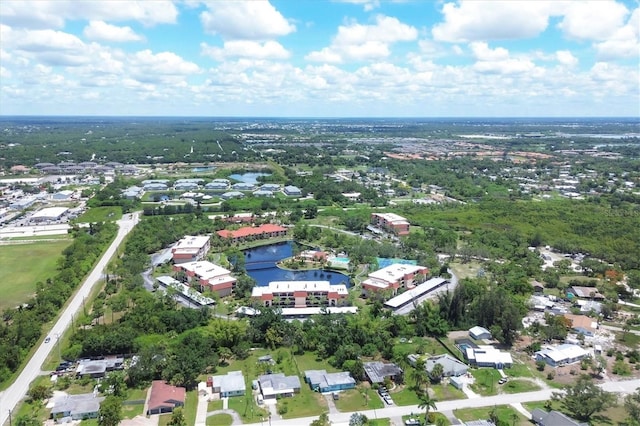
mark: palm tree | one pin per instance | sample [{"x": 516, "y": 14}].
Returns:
[
  {"x": 427, "y": 403},
  {"x": 419, "y": 375},
  {"x": 436, "y": 373}
]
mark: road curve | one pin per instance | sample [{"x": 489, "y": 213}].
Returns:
[{"x": 14, "y": 393}]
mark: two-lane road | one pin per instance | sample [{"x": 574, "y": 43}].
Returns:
[{"x": 12, "y": 395}]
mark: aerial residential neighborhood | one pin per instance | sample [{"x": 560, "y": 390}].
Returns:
[{"x": 255, "y": 293}]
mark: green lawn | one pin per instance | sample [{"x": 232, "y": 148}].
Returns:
[
  {"x": 221, "y": 419},
  {"x": 354, "y": 400},
  {"x": 130, "y": 411},
  {"x": 309, "y": 361},
  {"x": 447, "y": 393},
  {"x": 247, "y": 409},
  {"x": 405, "y": 396},
  {"x": 304, "y": 404},
  {"x": 191, "y": 407},
  {"x": 506, "y": 415},
  {"x": 433, "y": 416},
  {"x": 215, "y": 405},
  {"x": 519, "y": 369},
  {"x": 380, "y": 422},
  {"x": 101, "y": 214},
  {"x": 612, "y": 416},
  {"x": 19, "y": 276},
  {"x": 518, "y": 386},
  {"x": 486, "y": 382}
]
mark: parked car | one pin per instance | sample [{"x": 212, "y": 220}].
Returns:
[
  {"x": 502, "y": 381},
  {"x": 335, "y": 396},
  {"x": 47, "y": 340}
]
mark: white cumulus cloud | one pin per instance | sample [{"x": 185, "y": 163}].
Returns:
[
  {"x": 363, "y": 42},
  {"x": 101, "y": 31},
  {"x": 246, "y": 49},
  {"x": 245, "y": 20}
]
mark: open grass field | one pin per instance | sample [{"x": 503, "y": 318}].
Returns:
[
  {"x": 23, "y": 265},
  {"x": 518, "y": 386},
  {"x": 486, "y": 381},
  {"x": 505, "y": 413},
  {"x": 101, "y": 214},
  {"x": 465, "y": 270}
]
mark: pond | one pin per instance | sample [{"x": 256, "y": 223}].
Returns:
[
  {"x": 248, "y": 177},
  {"x": 260, "y": 263}
]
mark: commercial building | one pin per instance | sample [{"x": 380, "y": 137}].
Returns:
[
  {"x": 561, "y": 355},
  {"x": 230, "y": 384},
  {"x": 62, "y": 195},
  {"x": 390, "y": 222},
  {"x": 165, "y": 397},
  {"x": 209, "y": 276},
  {"x": 277, "y": 384},
  {"x": 190, "y": 249},
  {"x": 254, "y": 233},
  {"x": 393, "y": 277},
  {"x": 301, "y": 294},
  {"x": 321, "y": 381},
  {"x": 49, "y": 214}
]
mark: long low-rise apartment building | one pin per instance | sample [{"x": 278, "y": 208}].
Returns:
[
  {"x": 301, "y": 294},
  {"x": 390, "y": 222},
  {"x": 407, "y": 301},
  {"x": 267, "y": 230},
  {"x": 210, "y": 276},
  {"x": 191, "y": 248},
  {"x": 394, "y": 277}
]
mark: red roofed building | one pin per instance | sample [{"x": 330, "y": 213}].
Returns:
[
  {"x": 253, "y": 233},
  {"x": 164, "y": 397},
  {"x": 391, "y": 222}
]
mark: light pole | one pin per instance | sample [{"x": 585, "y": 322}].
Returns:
[{"x": 10, "y": 422}]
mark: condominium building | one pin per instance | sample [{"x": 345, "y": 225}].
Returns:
[
  {"x": 254, "y": 232},
  {"x": 390, "y": 222},
  {"x": 301, "y": 294},
  {"x": 190, "y": 249},
  {"x": 394, "y": 277},
  {"x": 209, "y": 276}
]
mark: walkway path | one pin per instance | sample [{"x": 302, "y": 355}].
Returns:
[{"x": 520, "y": 409}]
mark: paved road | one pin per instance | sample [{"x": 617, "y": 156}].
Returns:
[
  {"x": 626, "y": 386},
  {"x": 11, "y": 396}
]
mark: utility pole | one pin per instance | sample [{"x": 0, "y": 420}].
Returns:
[{"x": 10, "y": 422}]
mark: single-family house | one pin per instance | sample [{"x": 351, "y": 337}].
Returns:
[
  {"x": 243, "y": 186},
  {"x": 185, "y": 186},
  {"x": 553, "y": 418},
  {"x": 377, "y": 371},
  {"x": 585, "y": 292},
  {"x": 292, "y": 191},
  {"x": 277, "y": 384},
  {"x": 451, "y": 367},
  {"x": 582, "y": 324},
  {"x": 75, "y": 407},
  {"x": 217, "y": 185},
  {"x": 564, "y": 354},
  {"x": 479, "y": 333},
  {"x": 165, "y": 397},
  {"x": 232, "y": 194},
  {"x": 488, "y": 356},
  {"x": 321, "y": 381},
  {"x": 230, "y": 384}
]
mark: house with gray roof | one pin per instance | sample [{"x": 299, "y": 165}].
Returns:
[
  {"x": 75, "y": 407},
  {"x": 451, "y": 367},
  {"x": 230, "y": 384},
  {"x": 292, "y": 191},
  {"x": 277, "y": 384},
  {"x": 377, "y": 371},
  {"x": 553, "y": 418},
  {"x": 321, "y": 381},
  {"x": 232, "y": 194}
]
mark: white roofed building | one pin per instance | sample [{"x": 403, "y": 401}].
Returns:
[
  {"x": 561, "y": 355},
  {"x": 210, "y": 276},
  {"x": 394, "y": 277},
  {"x": 49, "y": 214},
  {"x": 488, "y": 356},
  {"x": 191, "y": 249},
  {"x": 406, "y": 302}
]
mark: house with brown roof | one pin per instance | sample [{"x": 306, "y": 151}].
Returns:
[
  {"x": 582, "y": 324},
  {"x": 585, "y": 292},
  {"x": 165, "y": 397}
]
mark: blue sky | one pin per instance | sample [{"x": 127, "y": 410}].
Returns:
[{"x": 315, "y": 58}]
